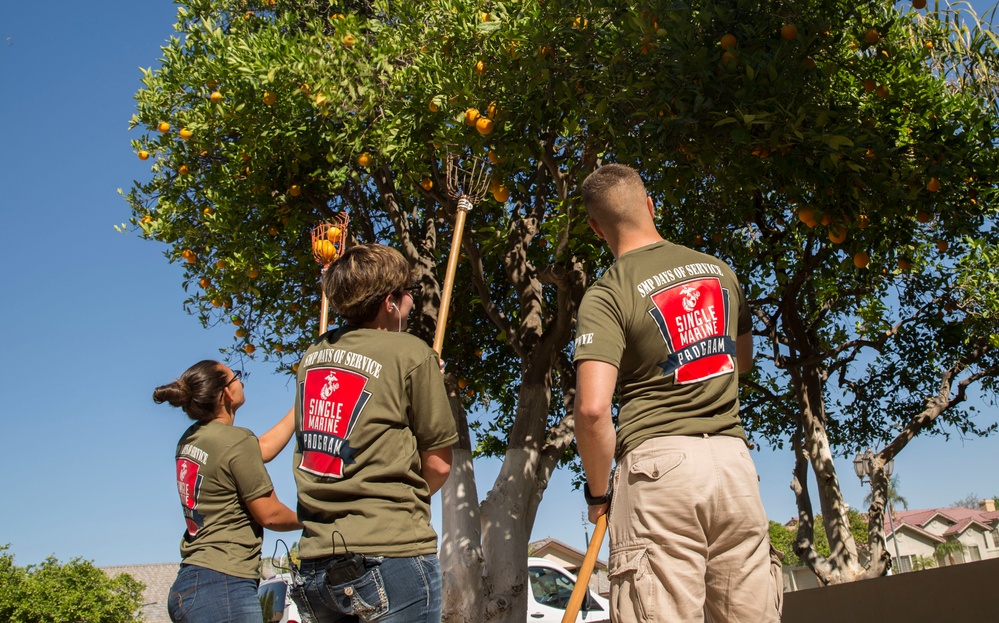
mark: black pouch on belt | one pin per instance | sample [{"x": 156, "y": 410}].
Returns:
[{"x": 343, "y": 569}]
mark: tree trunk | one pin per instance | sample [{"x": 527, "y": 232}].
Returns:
[{"x": 484, "y": 548}]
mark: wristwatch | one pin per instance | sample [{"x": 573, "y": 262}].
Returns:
[{"x": 600, "y": 499}]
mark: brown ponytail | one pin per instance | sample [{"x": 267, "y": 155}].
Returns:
[{"x": 197, "y": 391}]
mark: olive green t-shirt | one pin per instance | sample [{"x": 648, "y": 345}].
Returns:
[
  {"x": 668, "y": 318},
  {"x": 367, "y": 403},
  {"x": 219, "y": 470}
]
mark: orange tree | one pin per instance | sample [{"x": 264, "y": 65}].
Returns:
[{"x": 842, "y": 159}]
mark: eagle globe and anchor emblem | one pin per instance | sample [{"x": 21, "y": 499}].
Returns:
[
  {"x": 332, "y": 384},
  {"x": 690, "y": 297}
]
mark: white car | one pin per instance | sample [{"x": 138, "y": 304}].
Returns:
[
  {"x": 551, "y": 587},
  {"x": 276, "y": 601}
]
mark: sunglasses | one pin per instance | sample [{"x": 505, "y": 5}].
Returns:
[{"x": 237, "y": 375}]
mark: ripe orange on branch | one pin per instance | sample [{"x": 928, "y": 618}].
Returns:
[
  {"x": 471, "y": 116},
  {"x": 933, "y": 185},
  {"x": 215, "y": 97},
  {"x": 728, "y": 41},
  {"x": 348, "y": 40},
  {"x": 872, "y": 36},
  {"x": 861, "y": 259},
  {"x": 270, "y": 98},
  {"x": 484, "y": 125},
  {"x": 364, "y": 159},
  {"x": 163, "y": 127},
  {"x": 185, "y": 133},
  {"x": 143, "y": 154},
  {"x": 788, "y": 32}
]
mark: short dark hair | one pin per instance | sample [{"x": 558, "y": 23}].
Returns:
[
  {"x": 197, "y": 391},
  {"x": 610, "y": 192},
  {"x": 359, "y": 281}
]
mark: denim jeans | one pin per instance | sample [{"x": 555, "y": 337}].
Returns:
[
  {"x": 391, "y": 590},
  {"x": 200, "y": 595}
]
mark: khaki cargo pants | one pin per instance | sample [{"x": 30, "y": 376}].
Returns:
[{"x": 689, "y": 536}]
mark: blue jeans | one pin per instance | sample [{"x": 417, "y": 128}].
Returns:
[
  {"x": 200, "y": 595},
  {"x": 391, "y": 590}
]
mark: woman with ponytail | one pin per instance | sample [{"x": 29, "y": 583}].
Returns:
[{"x": 226, "y": 495}]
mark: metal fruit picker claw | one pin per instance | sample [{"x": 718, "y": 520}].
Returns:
[
  {"x": 467, "y": 183},
  {"x": 329, "y": 241}
]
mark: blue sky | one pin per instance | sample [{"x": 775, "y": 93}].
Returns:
[{"x": 92, "y": 319}]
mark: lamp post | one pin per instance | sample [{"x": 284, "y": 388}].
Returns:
[{"x": 862, "y": 467}]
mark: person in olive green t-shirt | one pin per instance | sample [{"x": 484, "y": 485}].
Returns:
[
  {"x": 226, "y": 496},
  {"x": 374, "y": 432},
  {"x": 668, "y": 330}
]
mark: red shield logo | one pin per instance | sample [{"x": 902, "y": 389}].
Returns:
[{"x": 332, "y": 398}]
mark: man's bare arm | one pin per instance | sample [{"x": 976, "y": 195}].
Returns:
[{"x": 595, "y": 434}]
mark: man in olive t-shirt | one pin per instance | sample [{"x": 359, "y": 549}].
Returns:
[{"x": 668, "y": 328}]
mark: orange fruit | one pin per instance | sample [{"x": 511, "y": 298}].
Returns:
[
  {"x": 480, "y": 68},
  {"x": 501, "y": 193},
  {"x": 294, "y": 367},
  {"x": 147, "y": 219},
  {"x": 253, "y": 273},
  {"x": 471, "y": 116},
  {"x": 729, "y": 60},
  {"x": 807, "y": 216},
  {"x": 904, "y": 264},
  {"x": 272, "y": 230},
  {"x": 216, "y": 303},
  {"x": 221, "y": 264},
  {"x": 837, "y": 234},
  {"x": 933, "y": 185},
  {"x": 462, "y": 383},
  {"x": 212, "y": 85},
  {"x": 808, "y": 63},
  {"x": 861, "y": 259},
  {"x": 484, "y": 125},
  {"x": 872, "y": 35},
  {"x": 190, "y": 256},
  {"x": 494, "y": 157},
  {"x": 216, "y": 97},
  {"x": 427, "y": 183},
  {"x": 237, "y": 321},
  {"x": 240, "y": 332},
  {"x": 205, "y": 282},
  {"x": 364, "y": 159},
  {"x": 547, "y": 51},
  {"x": 478, "y": 352},
  {"x": 348, "y": 40},
  {"x": 919, "y": 4},
  {"x": 278, "y": 348},
  {"x": 270, "y": 98},
  {"x": 491, "y": 110},
  {"x": 728, "y": 41},
  {"x": 143, "y": 154},
  {"x": 185, "y": 133},
  {"x": 788, "y": 32},
  {"x": 882, "y": 91},
  {"x": 183, "y": 170},
  {"x": 163, "y": 127},
  {"x": 433, "y": 107},
  {"x": 321, "y": 99},
  {"x": 579, "y": 22},
  {"x": 942, "y": 245},
  {"x": 923, "y": 216},
  {"x": 249, "y": 348},
  {"x": 295, "y": 190},
  {"x": 870, "y": 85},
  {"x": 324, "y": 250},
  {"x": 826, "y": 220},
  {"x": 863, "y": 221},
  {"x": 333, "y": 234}
]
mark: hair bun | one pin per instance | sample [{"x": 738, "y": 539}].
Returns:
[{"x": 175, "y": 393}]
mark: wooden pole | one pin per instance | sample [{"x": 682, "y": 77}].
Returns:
[
  {"x": 585, "y": 571},
  {"x": 452, "y": 265}
]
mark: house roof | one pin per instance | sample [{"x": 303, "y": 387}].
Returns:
[
  {"x": 957, "y": 519},
  {"x": 158, "y": 579},
  {"x": 550, "y": 545}
]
